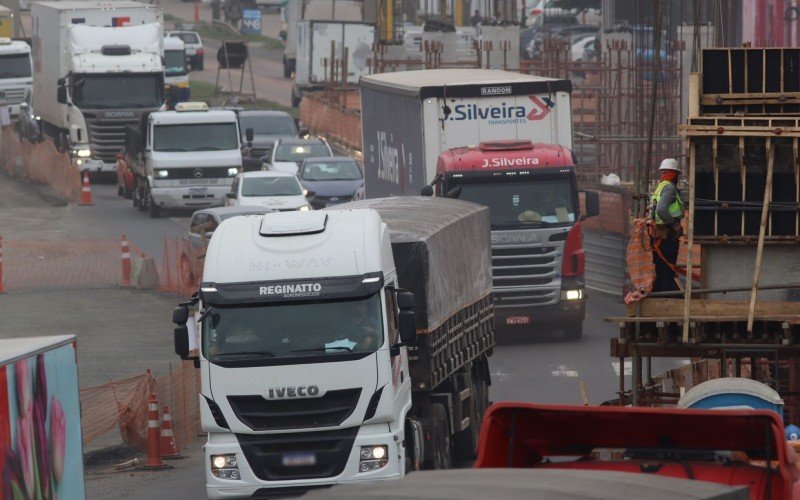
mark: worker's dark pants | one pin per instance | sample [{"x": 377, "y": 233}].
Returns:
[{"x": 665, "y": 277}]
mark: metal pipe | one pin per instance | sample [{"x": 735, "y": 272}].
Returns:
[{"x": 678, "y": 293}]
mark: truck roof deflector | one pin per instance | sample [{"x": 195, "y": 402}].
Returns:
[{"x": 293, "y": 223}]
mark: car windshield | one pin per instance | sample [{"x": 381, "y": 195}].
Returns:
[
  {"x": 271, "y": 186},
  {"x": 187, "y": 37},
  {"x": 269, "y": 125},
  {"x": 293, "y": 329},
  {"x": 331, "y": 171},
  {"x": 521, "y": 204},
  {"x": 118, "y": 91},
  {"x": 195, "y": 137},
  {"x": 174, "y": 62},
  {"x": 299, "y": 152},
  {"x": 15, "y": 66}
]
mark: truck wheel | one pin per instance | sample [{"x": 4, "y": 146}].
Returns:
[
  {"x": 573, "y": 330},
  {"x": 152, "y": 206},
  {"x": 198, "y": 65},
  {"x": 437, "y": 431},
  {"x": 138, "y": 198}
]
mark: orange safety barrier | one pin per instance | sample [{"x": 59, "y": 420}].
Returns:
[
  {"x": 181, "y": 267},
  {"x": 340, "y": 124},
  {"x": 39, "y": 163}
]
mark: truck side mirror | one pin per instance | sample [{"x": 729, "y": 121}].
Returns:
[
  {"x": 180, "y": 315},
  {"x": 181, "y": 338},
  {"x": 592, "y": 203},
  {"x": 427, "y": 190},
  {"x": 61, "y": 94},
  {"x": 249, "y": 134},
  {"x": 406, "y": 321}
]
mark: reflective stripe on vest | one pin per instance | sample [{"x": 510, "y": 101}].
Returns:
[{"x": 675, "y": 208}]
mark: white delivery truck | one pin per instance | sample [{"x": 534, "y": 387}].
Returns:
[
  {"x": 15, "y": 73},
  {"x": 502, "y": 140},
  {"x": 317, "y": 367},
  {"x": 39, "y": 395},
  {"x": 97, "y": 68},
  {"x": 313, "y": 10},
  {"x": 315, "y": 41},
  {"x": 186, "y": 158},
  {"x": 176, "y": 71}
]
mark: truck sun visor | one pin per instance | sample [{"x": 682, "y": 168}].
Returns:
[
  {"x": 291, "y": 290},
  {"x": 293, "y": 224}
]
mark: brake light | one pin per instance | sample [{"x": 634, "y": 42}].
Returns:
[
  {"x": 199, "y": 52},
  {"x": 536, "y": 12},
  {"x": 574, "y": 261}
]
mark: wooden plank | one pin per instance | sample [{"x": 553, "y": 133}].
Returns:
[
  {"x": 709, "y": 307},
  {"x": 743, "y": 177},
  {"x": 687, "y": 298},
  {"x": 762, "y": 232},
  {"x": 694, "y": 92},
  {"x": 793, "y": 319}
]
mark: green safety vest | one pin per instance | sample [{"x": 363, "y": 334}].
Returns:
[{"x": 675, "y": 209}]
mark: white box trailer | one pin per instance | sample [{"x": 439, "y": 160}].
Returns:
[
  {"x": 409, "y": 117},
  {"x": 314, "y": 41}
]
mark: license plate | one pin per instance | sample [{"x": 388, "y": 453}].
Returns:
[
  {"x": 299, "y": 459},
  {"x": 518, "y": 320},
  {"x": 198, "y": 190}
]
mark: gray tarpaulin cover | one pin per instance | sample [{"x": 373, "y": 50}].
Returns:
[{"x": 442, "y": 250}]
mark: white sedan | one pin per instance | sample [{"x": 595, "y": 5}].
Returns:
[{"x": 276, "y": 190}]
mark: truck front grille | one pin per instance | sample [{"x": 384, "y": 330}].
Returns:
[
  {"x": 107, "y": 136},
  {"x": 14, "y": 95},
  {"x": 198, "y": 173},
  {"x": 266, "y": 453},
  {"x": 525, "y": 275},
  {"x": 262, "y": 414}
]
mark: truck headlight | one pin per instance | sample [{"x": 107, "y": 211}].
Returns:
[
  {"x": 304, "y": 208},
  {"x": 83, "y": 153},
  {"x": 572, "y": 294},
  {"x": 162, "y": 173},
  {"x": 373, "y": 458},
  {"x": 225, "y": 467},
  {"x": 232, "y": 171}
]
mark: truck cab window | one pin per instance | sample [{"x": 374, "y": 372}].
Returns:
[
  {"x": 391, "y": 316},
  {"x": 198, "y": 223}
]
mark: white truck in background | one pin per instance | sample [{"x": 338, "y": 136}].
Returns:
[
  {"x": 317, "y": 368},
  {"x": 15, "y": 73},
  {"x": 313, "y": 10},
  {"x": 97, "y": 68},
  {"x": 186, "y": 158}
]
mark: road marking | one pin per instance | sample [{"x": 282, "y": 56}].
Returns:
[
  {"x": 563, "y": 371},
  {"x": 628, "y": 369}
]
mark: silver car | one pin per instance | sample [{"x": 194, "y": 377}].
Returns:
[{"x": 194, "y": 47}]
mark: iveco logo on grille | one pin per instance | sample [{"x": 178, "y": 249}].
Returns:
[
  {"x": 198, "y": 173},
  {"x": 119, "y": 114},
  {"x": 514, "y": 238},
  {"x": 300, "y": 391}
]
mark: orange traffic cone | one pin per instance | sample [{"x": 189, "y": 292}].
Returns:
[
  {"x": 168, "y": 449},
  {"x": 86, "y": 191},
  {"x": 153, "y": 439}
]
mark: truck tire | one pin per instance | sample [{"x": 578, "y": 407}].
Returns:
[
  {"x": 198, "y": 63},
  {"x": 438, "y": 454},
  {"x": 138, "y": 198},
  {"x": 573, "y": 330},
  {"x": 152, "y": 208}
]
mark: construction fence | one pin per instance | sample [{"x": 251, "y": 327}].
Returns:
[{"x": 39, "y": 163}]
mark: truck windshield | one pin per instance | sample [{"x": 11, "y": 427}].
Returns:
[
  {"x": 195, "y": 137},
  {"x": 299, "y": 152},
  {"x": 293, "y": 329},
  {"x": 118, "y": 91},
  {"x": 271, "y": 186},
  {"x": 269, "y": 125},
  {"x": 15, "y": 66},
  {"x": 174, "y": 62},
  {"x": 524, "y": 203}
]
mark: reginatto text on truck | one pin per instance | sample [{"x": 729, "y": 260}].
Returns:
[
  {"x": 318, "y": 367},
  {"x": 97, "y": 68},
  {"x": 502, "y": 140},
  {"x": 186, "y": 158}
]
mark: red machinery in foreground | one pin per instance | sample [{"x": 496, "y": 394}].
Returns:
[{"x": 731, "y": 447}]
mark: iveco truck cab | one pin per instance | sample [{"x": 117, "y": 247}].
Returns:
[{"x": 15, "y": 73}]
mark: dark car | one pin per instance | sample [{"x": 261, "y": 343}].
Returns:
[
  {"x": 267, "y": 127},
  {"x": 28, "y": 122},
  {"x": 332, "y": 180}
]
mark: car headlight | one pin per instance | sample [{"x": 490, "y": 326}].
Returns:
[
  {"x": 572, "y": 294},
  {"x": 225, "y": 467},
  {"x": 304, "y": 208},
  {"x": 162, "y": 173},
  {"x": 372, "y": 458},
  {"x": 233, "y": 171},
  {"x": 83, "y": 153}
]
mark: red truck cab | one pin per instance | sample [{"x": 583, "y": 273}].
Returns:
[{"x": 537, "y": 244}]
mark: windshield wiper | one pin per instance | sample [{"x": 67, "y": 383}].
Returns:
[
  {"x": 246, "y": 353},
  {"x": 319, "y": 349}
]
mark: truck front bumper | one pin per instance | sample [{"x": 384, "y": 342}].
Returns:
[
  {"x": 93, "y": 165},
  {"x": 189, "y": 197},
  {"x": 250, "y": 483},
  {"x": 564, "y": 312}
]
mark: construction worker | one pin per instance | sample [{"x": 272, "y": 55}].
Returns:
[{"x": 667, "y": 213}]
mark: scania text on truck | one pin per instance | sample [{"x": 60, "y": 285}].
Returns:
[
  {"x": 500, "y": 139},
  {"x": 186, "y": 158},
  {"x": 317, "y": 367},
  {"x": 97, "y": 68},
  {"x": 15, "y": 73}
]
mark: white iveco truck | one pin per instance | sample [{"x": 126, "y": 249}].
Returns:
[
  {"x": 341, "y": 346},
  {"x": 97, "y": 68},
  {"x": 15, "y": 73}
]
